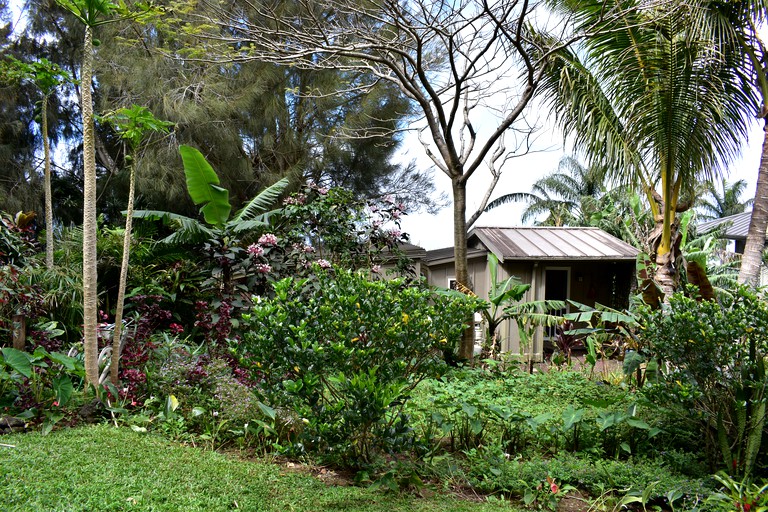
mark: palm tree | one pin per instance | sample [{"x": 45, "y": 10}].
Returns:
[
  {"x": 716, "y": 205},
  {"x": 559, "y": 195},
  {"x": 47, "y": 77},
  {"x": 653, "y": 99},
  {"x": 735, "y": 24},
  {"x": 132, "y": 125},
  {"x": 91, "y": 13}
]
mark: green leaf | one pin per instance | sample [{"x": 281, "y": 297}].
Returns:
[
  {"x": 51, "y": 419},
  {"x": 203, "y": 187},
  {"x": 62, "y": 386},
  {"x": 267, "y": 410},
  {"x": 634, "y": 422},
  {"x": 18, "y": 360},
  {"x": 70, "y": 363},
  {"x": 259, "y": 204},
  {"x": 469, "y": 410},
  {"x": 571, "y": 416}
]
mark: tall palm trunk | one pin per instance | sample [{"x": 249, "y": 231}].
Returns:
[
  {"x": 753, "y": 250},
  {"x": 90, "y": 292},
  {"x": 47, "y": 186},
  {"x": 117, "y": 334}
]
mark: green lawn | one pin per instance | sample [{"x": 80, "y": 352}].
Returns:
[{"x": 101, "y": 468}]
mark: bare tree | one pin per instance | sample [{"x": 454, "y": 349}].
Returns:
[{"x": 470, "y": 68}]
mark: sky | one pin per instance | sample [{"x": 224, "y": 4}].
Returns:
[{"x": 436, "y": 231}]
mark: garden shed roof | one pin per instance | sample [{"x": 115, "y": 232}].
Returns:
[
  {"x": 545, "y": 243},
  {"x": 736, "y": 226}
]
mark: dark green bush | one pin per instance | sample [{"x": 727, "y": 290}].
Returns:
[
  {"x": 344, "y": 352},
  {"x": 713, "y": 356}
]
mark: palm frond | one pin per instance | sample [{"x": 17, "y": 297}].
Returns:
[{"x": 261, "y": 203}]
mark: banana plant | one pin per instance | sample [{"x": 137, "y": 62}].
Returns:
[
  {"x": 205, "y": 190},
  {"x": 500, "y": 295}
]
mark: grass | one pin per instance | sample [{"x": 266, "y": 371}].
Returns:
[{"x": 105, "y": 468}]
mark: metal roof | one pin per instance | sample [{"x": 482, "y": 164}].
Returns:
[
  {"x": 445, "y": 255},
  {"x": 554, "y": 243},
  {"x": 736, "y": 226}
]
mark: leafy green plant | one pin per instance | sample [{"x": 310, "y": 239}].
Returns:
[
  {"x": 716, "y": 351},
  {"x": 741, "y": 495},
  {"x": 40, "y": 384},
  {"x": 344, "y": 352}
]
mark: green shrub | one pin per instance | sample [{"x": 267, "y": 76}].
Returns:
[
  {"x": 344, "y": 353},
  {"x": 715, "y": 363},
  {"x": 528, "y": 413}
]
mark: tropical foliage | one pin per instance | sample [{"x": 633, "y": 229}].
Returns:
[
  {"x": 256, "y": 307},
  {"x": 651, "y": 100}
]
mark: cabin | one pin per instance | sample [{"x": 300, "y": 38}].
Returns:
[{"x": 583, "y": 264}]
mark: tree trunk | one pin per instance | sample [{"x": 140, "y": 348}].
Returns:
[
  {"x": 90, "y": 293},
  {"x": 47, "y": 187},
  {"x": 667, "y": 260},
  {"x": 467, "y": 346},
  {"x": 117, "y": 333},
  {"x": 753, "y": 250}
]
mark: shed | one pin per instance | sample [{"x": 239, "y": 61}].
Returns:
[{"x": 583, "y": 264}]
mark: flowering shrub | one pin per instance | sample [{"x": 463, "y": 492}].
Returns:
[
  {"x": 344, "y": 351},
  {"x": 315, "y": 228}
]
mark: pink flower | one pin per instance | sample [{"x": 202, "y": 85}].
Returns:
[
  {"x": 323, "y": 263},
  {"x": 263, "y": 268},
  {"x": 394, "y": 233},
  {"x": 376, "y": 269},
  {"x": 389, "y": 198},
  {"x": 56, "y": 403},
  {"x": 322, "y": 191},
  {"x": 255, "y": 250},
  {"x": 268, "y": 240},
  {"x": 552, "y": 485},
  {"x": 176, "y": 328}
]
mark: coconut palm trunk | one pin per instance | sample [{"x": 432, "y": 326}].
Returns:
[
  {"x": 753, "y": 250},
  {"x": 90, "y": 292}
]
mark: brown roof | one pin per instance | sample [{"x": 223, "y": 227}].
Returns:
[{"x": 550, "y": 243}]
